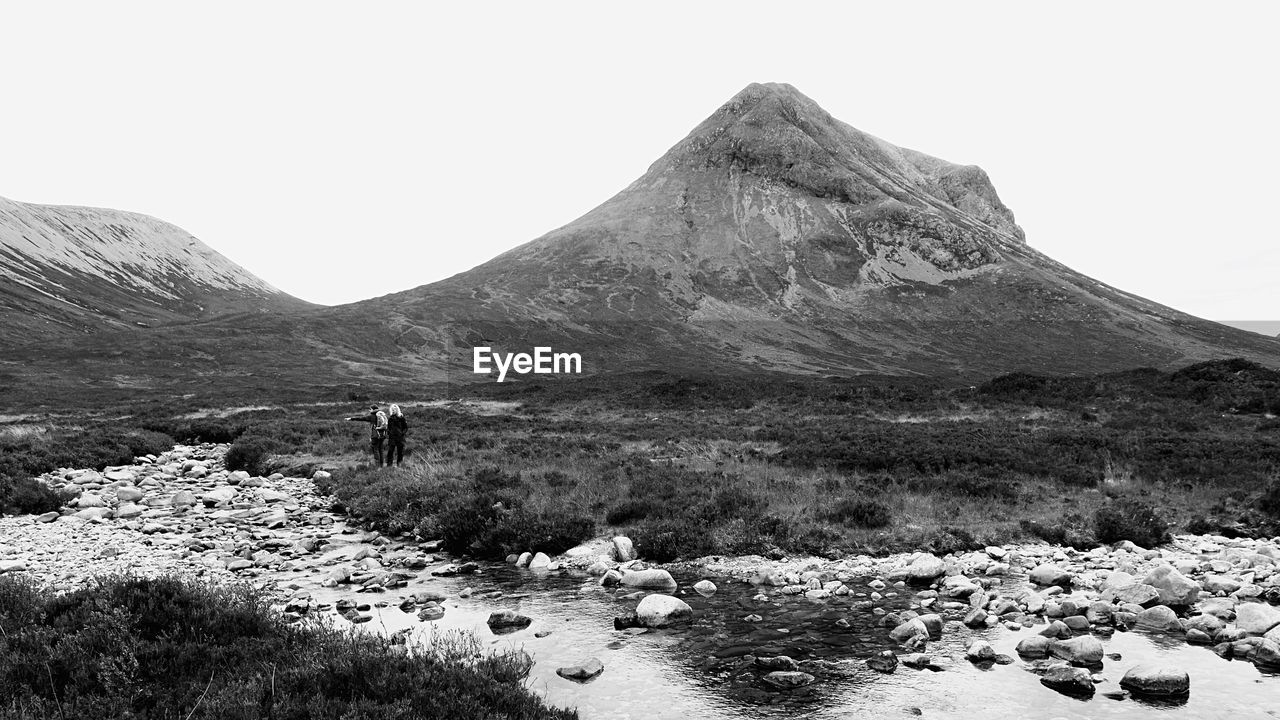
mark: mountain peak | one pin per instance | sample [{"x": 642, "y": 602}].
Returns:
[{"x": 775, "y": 132}]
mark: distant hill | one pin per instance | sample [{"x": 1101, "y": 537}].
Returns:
[
  {"x": 72, "y": 270},
  {"x": 773, "y": 238},
  {"x": 1270, "y": 328}
]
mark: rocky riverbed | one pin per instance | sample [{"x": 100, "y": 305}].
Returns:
[{"x": 764, "y": 633}]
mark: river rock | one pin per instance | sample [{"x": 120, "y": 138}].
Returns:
[
  {"x": 910, "y": 629},
  {"x": 926, "y": 568},
  {"x": 274, "y": 496},
  {"x": 1208, "y": 624},
  {"x": 777, "y": 662},
  {"x": 787, "y": 680},
  {"x": 540, "y": 561},
  {"x": 653, "y": 578},
  {"x": 90, "y": 500},
  {"x": 980, "y": 651},
  {"x": 128, "y": 493},
  {"x": 884, "y": 662},
  {"x": 1134, "y": 594},
  {"x": 1050, "y": 575},
  {"x": 1068, "y": 680},
  {"x": 705, "y": 588},
  {"x": 658, "y": 610},
  {"x": 1157, "y": 680},
  {"x": 1160, "y": 617},
  {"x": 1256, "y": 618},
  {"x": 583, "y": 671},
  {"x": 1174, "y": 587},
  {"x": 129, "y": 510},
  {"x": 93, "y": 513},
  {"x": 1083, "y": 650},
  {"x": 1220, "y": 584},
  {"x": 1224, "y": 608},
  {"x": 220, "y": 495},
  {"x": 507, "y": 619},
  {"x": 119, "y": 476},
  {"x": 623, "y": 549},
  {"x": 7, "y": 566},
  {"x": 183, "y": 498},
  {"x": 1034, "y": 646}
]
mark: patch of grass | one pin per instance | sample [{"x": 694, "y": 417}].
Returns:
[{"x": 168, "y": 648}]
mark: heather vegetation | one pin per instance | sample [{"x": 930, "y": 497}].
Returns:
[
  {"x": 173, "y": 649},
  {"x": 26, "y": 451},
  {"x": 694, "y": 465}
]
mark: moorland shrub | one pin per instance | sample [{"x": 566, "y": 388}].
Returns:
[
  {"x": 28, "y": 496},
  {"x": 672, "y": 539},
  {"x": 94, "y": 447},
  {"x": 168, "y": 648},
  {"x": 861, "y": 512},
  {"x": 1071, "y": 530},
  {"x": 251, "y": 454},
  {"x": 1130, "y": 519},
  {"x": 1269, "y": 502}
]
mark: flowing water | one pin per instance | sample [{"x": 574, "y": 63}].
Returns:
[{"x": 698, "y": 669}]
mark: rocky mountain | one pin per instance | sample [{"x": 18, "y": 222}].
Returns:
[
  {"x": 774, "y": 237},
  {"x": 72, "y": 270}
]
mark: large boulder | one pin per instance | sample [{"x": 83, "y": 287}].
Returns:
[
  {"x": 1256, "y": 618},
  {"x": 657, "y": 610},
  {"x": 656, "y": 578},
  {"x": 1083, "y": 650},
  {"x": 1050, "y": 575},
  {"x": 926, "y": 568},
  {"x": 623, "y": 550},
  {"x": 1174, "y": 587},
  {"x": 1157, "y": 680}
]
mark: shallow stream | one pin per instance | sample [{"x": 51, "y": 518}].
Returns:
[{"x": 697, "y": 669}]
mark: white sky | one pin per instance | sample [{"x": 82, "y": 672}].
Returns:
[{"x": 344, "y": 151}]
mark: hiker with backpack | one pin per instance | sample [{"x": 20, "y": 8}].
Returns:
[
  {"x": 397, "y": 428},
  {"x": 377, "y": 430}
]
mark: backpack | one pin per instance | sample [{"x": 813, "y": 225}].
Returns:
[{"x": 380, "y": 429}]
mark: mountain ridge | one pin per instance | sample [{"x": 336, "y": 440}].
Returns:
[
  {"x": 772, "y": 238},
  {"x": 71, "y": 269}
]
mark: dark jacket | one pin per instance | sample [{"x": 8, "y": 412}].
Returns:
[
  {"x": 397, "y": 428},
  {"x": 372, "y": 419}
]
